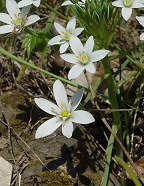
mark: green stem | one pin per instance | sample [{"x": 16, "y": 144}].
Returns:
[
  {"x": 21, "y": 73},
  {"x": 129, "y": 171},
  {"x": 4, "y": 52},
  {"x": 116, "y": 123},
  {"x": 55, "y": 11}
]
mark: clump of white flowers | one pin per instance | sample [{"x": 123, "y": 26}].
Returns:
[
  {"x": 127, "y": 6},
  {"x": 65, "y": 34},
  {"x": 83, "y": 57},
  {"x": 65, "y": 113},
  {"x": 16, "y": 19}
]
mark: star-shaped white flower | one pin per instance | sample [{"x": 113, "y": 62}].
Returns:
[
  {"x": 141, "y": 21},
  {"x": 68, "y": 2},
  {"x": 83, "y": 56},
  {"x": 16, "y": 19},
  {"x": 29, "y": 2},
  {"x": 64, "y": 112},
  {"x": 65, "y": 34},
  {"x": 127, "y": 6}
]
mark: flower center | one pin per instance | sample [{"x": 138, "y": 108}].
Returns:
[
  {"x": 18, "y": 21},
  {"x": 127, "y": 3},
  {"x": 66, "y": 35},
  {"x": 64, "y": 113},
  {"x": 83, "y": 58}
]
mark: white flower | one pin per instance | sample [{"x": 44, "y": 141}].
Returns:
[
  {"x": 83, "y": 57},
  {"x": 65, "y": 34},
  {"x": 68, "y": 2},
  {"x": 127, "y": 6},
  {"x": 28, "y": 2},
  {"x": 64, "y": 112},
  {"x": 141, "y": 21},
  {"x": 16, "y": 19}
]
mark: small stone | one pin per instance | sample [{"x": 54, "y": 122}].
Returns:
[{"x": 5, "y": 172}]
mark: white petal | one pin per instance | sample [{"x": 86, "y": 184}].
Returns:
[
  {"x": 60, "y": 29},
  {"x": 118, "y": 3},
  {"x": 12, "y": 7},
  {"x": 47, "y": 106},
  {"x": 67, "y": 3},
  {"x": 47, "y": 128},
  {"x": 24, "y": 3},
  {"x": 77, "y": 31},
  {"x": 76, "y": 45},
  {"x": 6, "y": 29},
  {"x": 140, "y": 20},
  {"x": 36, "y": 3},
  {"x": 142, "y": 36},
  {"x": 126, "y": 13},
  {"x": 67, "y": 129},
  {"x": 5, "y": 18},
  {"x": 64, "y": 47},
  {"x": 137, "y": 4},
  {"x": 90, "y": 68},
  {"x": 98, "y": 55},
  {"x": 32, "y": 19},
  {"x": 76, "y": 99},
  {"x": 71, "y": 58},
  {"x": 55, "y": 40},
  {"x": 82, "y": 117},
  {"x": 60, "y": 95},
  {"x": 24, "y": 11},
  {"x": 71, "y": 24},
  {"x": 75, "y": 71},
  {"x": 88, "y": 47}
]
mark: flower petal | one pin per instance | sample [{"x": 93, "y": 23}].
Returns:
[
  {"x": 67, "y": 3},
  {"x": 142, "y": 36},
  {"x": 60, "y": 95},
  {"x": 64, "y": 47},
  {"x": 71, "y": 58},
  {"x": 90, "y": 68},
  {"x": 12, "y": 7},
  {"x": 32, "y": 19},
  {"x": 24, "y": 11},
  {"x": 36, "y": 3},
  {"x": 55, "y": 40},
  {"x": 82, "y": 117},
  {"x": 140, "y": 20},
  {"x": 77, "y": 31},
  {"x": 25, "y": 3},
  {"x": 88, "y": 47},
  {"x": 47, "y": 106},
  {"x": 76, "y": 99},
  {"x": 60, "y": 29},
  {"x": 98, "y": 55},
  {"x": 126, "y": 13},
  {"x": 67, "y": 129},
  {"x": 75, "y": 71},
  {"x": 71, "y": 24},
  {"x": 6, "y": 29},
  {"x": 47, "y": 128},
  {"x": 5, "y": 18},
  {"x": 118, "y": 3},
  {"x": 76, "y": 45},
  {"x": 137, "y": 4}
]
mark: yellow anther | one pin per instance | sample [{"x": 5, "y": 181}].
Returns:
[
  {"x": 83, "y": 58},
  {"x": 66, "y": 35},
  {"x": 64, "y": 113}
]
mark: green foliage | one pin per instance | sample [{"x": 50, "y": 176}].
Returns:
[
  {"x": 98, "y": 19},
  {"x": 33, "y": 41}
]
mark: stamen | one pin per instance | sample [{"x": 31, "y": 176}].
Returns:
[{"x": 83, "y": 58}]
